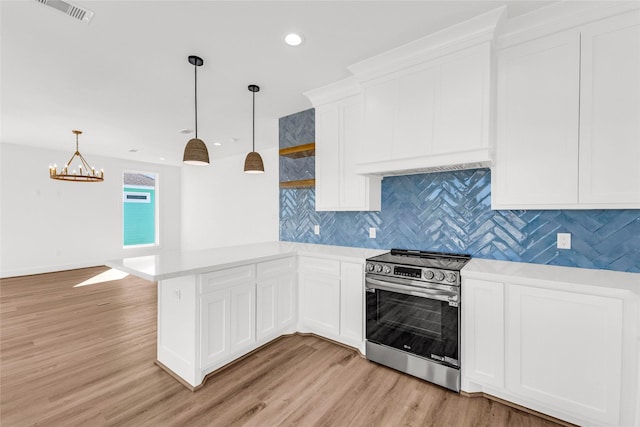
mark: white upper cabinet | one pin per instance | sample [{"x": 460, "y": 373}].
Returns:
[
  {"x": 462, "y": 116},
  {"x": 434, "y": 115},
  {"x": 428, "y": 104},
  {"x": 538, "y": 96},
  {"x": 568, "y": 132},
  {"x": 610, "y": 112},
  {"x": 339, "y": 125}
]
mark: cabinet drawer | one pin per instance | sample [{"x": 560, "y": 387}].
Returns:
[
  {"x": 319, "y": 265},
  {"x": 215, "y": 280},
  {"x": 276, "y": 267}
]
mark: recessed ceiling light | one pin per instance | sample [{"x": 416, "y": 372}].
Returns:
[
  {"x": 162, "y": 158},
  {"x": 134, "y": 150},
  {"x": 186, "y": 131},
  {"x": 217, "y": 143},
  {"x": 293, "y": 39}
]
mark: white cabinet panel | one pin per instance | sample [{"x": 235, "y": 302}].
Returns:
[
  {"x": 320, "y": 303},
  {"x": 319, "y": 266},
  {"x": 483, "y": 331},
  {"x": 414, "y": 123},
  {"x": 463, "y": 113},
  {"x": 610, "y": 111},
  {"x": 357, "y": 192},
  {"x": 380, "y": 105},
  {"x": 266, "y": 310},
  {"x": 339, "y": 129},
  {"x": 352, "y": 302},
  {"x": 327, "y": 156},
  {"x": 226, "y": 278},
  {"x": 215, "y": 326},
  {"x": 286, "y": 300},
  {"x": 243, "y": 320},
  {"x": 276, "y": 304},
  {"x": 537, "y": 139},
  {"x": 565, "y": 351}
]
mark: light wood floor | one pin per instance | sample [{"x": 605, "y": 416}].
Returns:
[{"x": 84, "y": 356}]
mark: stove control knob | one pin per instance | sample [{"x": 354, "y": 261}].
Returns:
[
  {"x": 428, "y": 274},
  {"x": 439, "y": 276},
  {"x": 378, "y": 268},
  {"x": 369, "y": 266},
  {"x": 387, "y": 269},
  {"x": 451, "y": 277}
]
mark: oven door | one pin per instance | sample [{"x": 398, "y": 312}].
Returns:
[{"x": 414, "y": 319}]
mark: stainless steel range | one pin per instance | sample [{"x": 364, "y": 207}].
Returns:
[{"x": 413, "y": 313}]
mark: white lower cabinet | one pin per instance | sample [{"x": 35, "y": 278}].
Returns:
[
  {"x": 320, "y": 295},
  {"x": 276, "y": 297},
  {"x": 332, "y": 299},
  {"x": 483, "y": 325},
  {"x": 563, "y": 351},
  {"x": 352, "y": 303},
  {"x": 227, "y": 313},
  {"x": 215, "y": 324}
]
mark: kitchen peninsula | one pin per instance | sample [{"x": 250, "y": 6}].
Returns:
[{"x": 217, "y": 305}]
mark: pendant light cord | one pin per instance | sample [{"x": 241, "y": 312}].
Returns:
[
  {"x": 254, "y": 121},
  {"x": 195, "y": 96}
]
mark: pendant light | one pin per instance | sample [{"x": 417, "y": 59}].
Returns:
[
  {"x": 253, "y": 162},
  {"x": 195, "y": 153},
  {"x": 89, "y": 174}
]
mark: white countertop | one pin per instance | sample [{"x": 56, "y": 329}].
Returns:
[
  {"x": 168, "y": 265},
  {"x": 537, "y": 274}
]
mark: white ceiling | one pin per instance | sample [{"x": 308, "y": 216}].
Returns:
[{"x": 125, "y": 81}]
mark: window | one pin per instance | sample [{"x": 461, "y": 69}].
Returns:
[{"x": 140, "y": 210}]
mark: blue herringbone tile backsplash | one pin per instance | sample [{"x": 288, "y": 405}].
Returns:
[{"x": 451, "y": 212}]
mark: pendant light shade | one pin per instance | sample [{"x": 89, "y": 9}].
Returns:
[
  {"x": 253, "y": 162},
  {"x": 196, "y": 153}
]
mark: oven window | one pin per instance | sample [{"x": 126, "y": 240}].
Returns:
[
  {"x": 419, "y": 316},
  {"x": 421, "y": 326}
]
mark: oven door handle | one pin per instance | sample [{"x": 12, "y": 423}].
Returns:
[{"x": 410, "y": 290}]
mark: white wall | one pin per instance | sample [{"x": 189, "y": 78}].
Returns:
[
  {"x": 48, "y": 225},
  {"x": 223, "y": 206}
]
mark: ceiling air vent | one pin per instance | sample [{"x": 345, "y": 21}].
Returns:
[{"x": 76, "y": 12}]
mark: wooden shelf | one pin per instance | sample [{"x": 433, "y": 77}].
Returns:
[
  {"x": 301, "y": 183},
  {"x": 305, "y": 150}
]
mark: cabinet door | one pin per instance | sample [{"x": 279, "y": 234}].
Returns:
[
  {"x": 537, "y": 140},
  {"x": 463, "y": 107},
  {"x": 286, "y": 301},
  {"x": 267, "y": 309},
  {"x": 610, "y": 112},
  {"x": 414, "y": 123},
  {"x": 564, "y": 350},
  {"x": 320, "y": 302},
  {"x": 380, "y": 105},
  {"x": 242, "y": 316},
  {"x": 357, "y": 192},
  {"x": 352, "y": 302},
  {"x": 328, "y": 157},
  {"x": 215, "y": 326},
  {"x": 339, "y": 127},
  {"x": 483, "y": 332}
]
